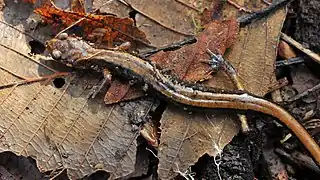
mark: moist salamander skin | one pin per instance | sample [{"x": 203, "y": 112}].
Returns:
[{"x": 75, "y": 52}]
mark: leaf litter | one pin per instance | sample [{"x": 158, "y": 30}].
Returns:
[
  {"x": 68, "y": 112},
  {"x": 62, "y": 128}
]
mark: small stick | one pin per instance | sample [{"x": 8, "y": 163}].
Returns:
[
  {"x": 189, "y": 6},
  {"x": 305, "y": 93},
  {"x": 296, "y": 44},
  {"x": 288, "y": 62},
  {"x": 247, "y": 19},
  {"x": 299, "y": 159},
  {"x": 32, "y": 80},
  {"x": 169, "y": 47},
  {"x": 267, "y": 2},
  {"x": 241, "y": 8}
]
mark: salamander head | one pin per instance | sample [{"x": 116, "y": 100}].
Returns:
[{"x": 68, "y": 49}]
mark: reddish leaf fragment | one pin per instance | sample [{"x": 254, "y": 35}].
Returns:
[
  {"x": 211, "y": 13},
  {"x": 187, "y": 63},
  {"x": 78, "y": 6},
  {"x": 116, "y": 91},
  {"x": 116, "y": 29},
  {"x": 121, "y": 91}
]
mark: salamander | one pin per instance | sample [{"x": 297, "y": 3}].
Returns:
[{"x": 75, "y": 52}]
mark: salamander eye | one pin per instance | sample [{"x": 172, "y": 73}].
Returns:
[
  {"x": 56, "y": 54},
  {"x": 62, "y": 36}
]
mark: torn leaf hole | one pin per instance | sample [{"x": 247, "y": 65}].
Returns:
[
  {"x": 59, "y": 82},
  {"x": 37, "y": 47}
]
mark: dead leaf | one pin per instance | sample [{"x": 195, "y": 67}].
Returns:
[
  {"x": 254, "y": 52},
  {"x": 116, "y": 29},
  {"x": 187, "y": 63},
  {"x": 142, "y": 163},
  {"x": 122, "y": 91},
  {"x": 60, "y": 127},
  {"x": 166, "y": 22},
  {"x": 185, "y": 137},
  {"x": 113, "y": 7},
  {"x": 173, "y": 15}
]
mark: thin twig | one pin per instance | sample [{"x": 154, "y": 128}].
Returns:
[
  {"x": 169, "y": 47},
  {"x": 157, "y": 22},
  {"x": 13, "y": 73},
  {"x": 288, "y": 62},
  {"x": 305, "y": 93},
  {"x": 33, "y": 80},
  {"x": 267, "y": 2},
  {"x": 25, "y": 33},
  {"x": 299, "y": 159},
  {"x": 241, "y": 8},
  {"x": 249, "y": 18},
  {"x": 299, "y": 46},
  {"x": 28, "y": 57},
  {"x": 232, "y": 73},
  {"x": 189, "y": 6}
]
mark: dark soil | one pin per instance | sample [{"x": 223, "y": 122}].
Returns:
[{"x": 307, "y": 26}]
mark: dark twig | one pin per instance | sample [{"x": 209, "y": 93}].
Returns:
[
  {"x": 308, "y": 52},
  {"x": 169, "y": 47},
  {"x": 305, "y": 93},
  {"x": 299, "y": 159},
  {"x": 291, "y": 61},
  {"x": 247, "y": 19}
]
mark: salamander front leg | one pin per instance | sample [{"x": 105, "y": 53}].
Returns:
[
  {"x": 217, "y": 62},
  {"x": 107, "y": 77}
]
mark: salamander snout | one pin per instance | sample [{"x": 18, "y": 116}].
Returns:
[{"x": 67, "y": 49}]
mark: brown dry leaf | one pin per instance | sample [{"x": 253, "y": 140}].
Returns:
[
  {"x": 285, "y": 51},
  {"x": 185, "y": 137},
  {"x": 254, "y": 52},
  {"x": 164, "y": 22},
  {"x": 172, "y": 14},
  {"x": 60, "y": 127}
]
